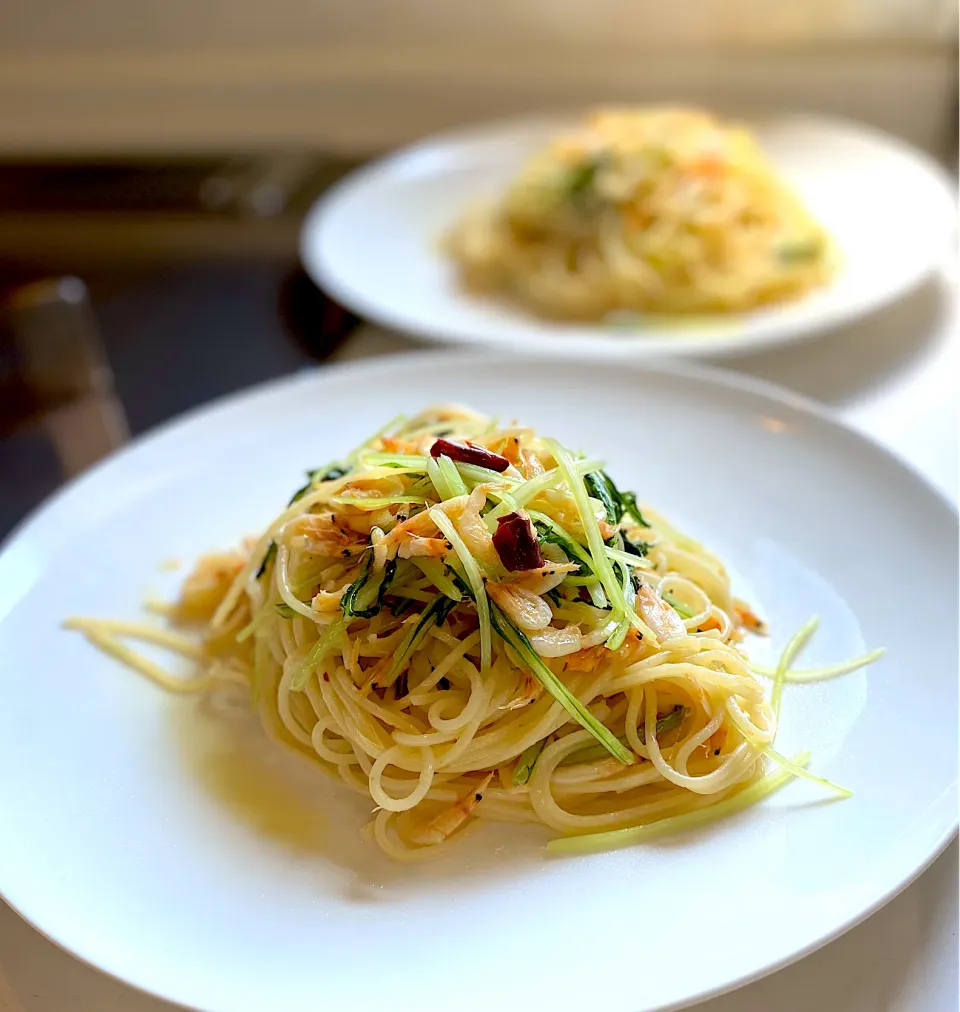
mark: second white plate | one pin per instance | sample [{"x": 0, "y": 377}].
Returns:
[{"x": 372, "y": 242}]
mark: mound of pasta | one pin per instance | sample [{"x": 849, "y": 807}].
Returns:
[
  {"x": 653, "y": 210},
  {"x": 467, "y": 622}
]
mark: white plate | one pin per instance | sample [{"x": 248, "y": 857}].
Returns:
[
  {"x": 372, "y": 241},
  {"x": 128, "y": 840}
]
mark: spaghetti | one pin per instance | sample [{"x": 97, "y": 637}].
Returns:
[{"x": 657, "y": 210}]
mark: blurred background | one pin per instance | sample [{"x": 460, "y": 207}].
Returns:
[{"x": 156, "y": 161}]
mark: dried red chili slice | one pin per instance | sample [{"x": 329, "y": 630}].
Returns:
[
  {"x": 469, "y": 454},
  {"x": 516, "y": 543}
]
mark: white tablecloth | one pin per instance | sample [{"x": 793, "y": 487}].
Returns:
[{"x": 893, "y": 376}]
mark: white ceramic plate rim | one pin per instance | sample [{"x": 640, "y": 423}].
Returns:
[
  {"x": 34, "y": 524},
  {"x": 779, "y": 327}
]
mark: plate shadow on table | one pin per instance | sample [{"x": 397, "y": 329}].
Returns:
[{"x": 845, "y": 363}]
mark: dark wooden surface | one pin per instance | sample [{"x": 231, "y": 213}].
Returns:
[{"x": 176, "y": 338}]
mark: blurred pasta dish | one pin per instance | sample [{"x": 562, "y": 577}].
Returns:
[{"x": 653, "y": 210}]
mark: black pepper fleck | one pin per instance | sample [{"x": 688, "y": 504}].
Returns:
[{"x": 478, "y": 797}]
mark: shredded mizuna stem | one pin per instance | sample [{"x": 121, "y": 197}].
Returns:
[
  {"x": 530, "y": 489},
  {"x": 474, "y": 579},
  {"x": 394, "y": 422},
  {"x": 526, "y": 762},
  {"x": 439, "y": 479},
  {"x": 677, "y": 823},
  {"x": 318, "y": 652},
  {"x": 435, "y": 571},
  {"x": 678, "y": 606},
  {"x": 599, "y": 562},
  {"x": 619, "y": 634},
  {"x": 636, "y": 561},
  {"x": 403, "y": 461},
  {"x": 811, "y": 675},
  {"x": 484, "y": 476},
  {"x": 790, "y": 652},
  {"x": 454, "y": 481},
  {"x": 799, "y": 771},
  {"x": 541, "y": 671},
  {"x": 375, "y": 502}
]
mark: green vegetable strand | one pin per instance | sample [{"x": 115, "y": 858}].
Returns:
[
  {"x": 433, "y": 614},
  {"x": 524, "y": 649},
  {"x": 364, "y": 597},
  {"x": 592, "y": 753},
  {"x": 599, "y": 561},
  {"x": 267, "y": 558},
  {"x": 328, "y": 473},
  {"x": 526, "y": 762},
  {"x": 678, "y": 606},
  {"x": 318, "y": 653},
  {"x": 601, "y": 487}
]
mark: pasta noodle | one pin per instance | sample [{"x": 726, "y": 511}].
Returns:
[{"x": 656, "y": 210}]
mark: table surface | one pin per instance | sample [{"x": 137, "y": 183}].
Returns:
[{"x": 893, "y": 376}]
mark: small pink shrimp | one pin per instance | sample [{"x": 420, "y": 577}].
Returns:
[
  {"x": 530, "y": 691},
  {"x": 662, "y": 619},
  {"x": 434, "y": 548},
  {"x": 451, "y": 819}
]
